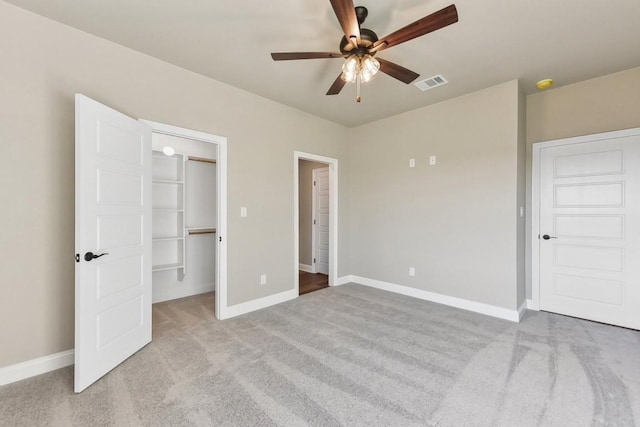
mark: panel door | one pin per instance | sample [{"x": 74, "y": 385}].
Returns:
[
  {"x": 590, "y": 230},
  {"x": 321, "y": 216},
  {"x": 113, "y": 218}
]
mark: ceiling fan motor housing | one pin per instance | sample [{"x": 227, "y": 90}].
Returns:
[{"x": 367, "y": 39}]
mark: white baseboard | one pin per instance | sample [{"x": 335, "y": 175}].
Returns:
[
  {"x": 257, "y": 304},
  {"x": 305, "y": 267},
  {"x": 175, "y": 292},
  {"x": 31, "y": 368},
  {"x": 478, "y": 307},
  {"x": 531, "y": 305},
  {"x": 342, "y": 280},
  {"x": 522, "y": 309}
]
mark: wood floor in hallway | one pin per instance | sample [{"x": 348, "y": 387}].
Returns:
[{"x": 310, "y": 282}]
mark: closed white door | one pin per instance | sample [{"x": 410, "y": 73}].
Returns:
[
  {"x": 590, "y": 230},
  {"x": 321, "y": 219},
  {"x": 113, "y": 239}
]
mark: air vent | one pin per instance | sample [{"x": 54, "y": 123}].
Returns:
[{"x": 431, "y": 82}]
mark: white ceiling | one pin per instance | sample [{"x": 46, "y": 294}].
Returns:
[{"x": 493, "y": 42}]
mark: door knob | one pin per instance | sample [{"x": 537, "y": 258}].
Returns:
[
  {"x": 547, "y": 237},
  {"x": 90, "y": 256}
]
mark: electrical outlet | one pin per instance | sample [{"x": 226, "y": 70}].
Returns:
[
  {"x": 263, "y": 279},
  {"x": 412, "y": 163},
  {"x": 243, "y": 212},
  {"x": 412, "y": 271}
]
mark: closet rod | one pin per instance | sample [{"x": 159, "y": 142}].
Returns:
[
  {"x": 202, "y": 231},
  {"x": 201, "y": 159}
]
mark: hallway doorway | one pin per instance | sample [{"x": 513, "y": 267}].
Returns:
[{"x": 315, "y": 221}]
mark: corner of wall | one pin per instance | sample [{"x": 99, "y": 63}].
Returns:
[{"x": 521, "y": 197}]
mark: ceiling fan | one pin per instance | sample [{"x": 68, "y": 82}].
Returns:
[{"x": 360, "y": 45}]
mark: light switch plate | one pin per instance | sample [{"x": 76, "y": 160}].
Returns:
[
  {"x": 243, "y": 212},
  {"x": 432, "y": 160}
]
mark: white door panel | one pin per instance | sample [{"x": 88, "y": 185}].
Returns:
[
  {"x": 590, "y": 209},
  {"x": 609, "y": 227},
  {"x": 321, "y": 217},
  {"x": 113, "y": 217}
]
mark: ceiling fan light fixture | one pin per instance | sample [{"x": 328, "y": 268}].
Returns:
[
  {"x": 350, "y": 69},
  {"x": 364, "y": 67},
  {"x": 369, "y": 67}
]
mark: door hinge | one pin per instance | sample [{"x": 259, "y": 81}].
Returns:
[
  {"x": 314, "y": 222},
  {"x": 77, "y": 257},
  {"x": 314, "y": 260},
  {"x": 314, "y": 183}
]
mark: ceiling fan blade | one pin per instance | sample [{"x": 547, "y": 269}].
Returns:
[
  {"x": 286, "y": 56},
  {"x": 346, "y": 14},
  {"x": 397, "y": 71},
  {"x": 435, "y": 21},
  {"x": 337, "y": 86}
]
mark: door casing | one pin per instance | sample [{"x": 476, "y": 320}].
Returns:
[{"x": 221, "y": 311}]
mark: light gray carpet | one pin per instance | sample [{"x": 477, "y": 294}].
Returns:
[{"x": 351, "y": 356}]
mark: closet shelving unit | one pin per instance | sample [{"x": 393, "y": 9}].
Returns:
[{"x": 168, "y": 212}]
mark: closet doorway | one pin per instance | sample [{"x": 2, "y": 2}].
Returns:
[
  {"x": 315, "y": 221},
  {"x": 189, "y": 205}
]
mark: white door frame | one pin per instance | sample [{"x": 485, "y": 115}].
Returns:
[
  {"x": 535, "y": 199},
  {"x": 333, "y": 214},
  {"x": 221, "y": 311},
  {"x": 314, "y": 225}
]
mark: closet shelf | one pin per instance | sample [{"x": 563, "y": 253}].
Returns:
[
  {"x": 167, "y": 267},
  {"x": 167, "y": 210},
  {"x": 168, "y": 238},
  {"x": 167, "y": 181}
]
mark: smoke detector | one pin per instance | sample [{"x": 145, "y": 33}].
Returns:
[{"x": 544, "y": 84}]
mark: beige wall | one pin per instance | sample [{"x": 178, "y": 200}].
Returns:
[
  {"x": 455, "y": 222},
  {"x": 603, "y": 104},
  {"x": 305, "y": 213},
  {"x": 43, "y": 65}
]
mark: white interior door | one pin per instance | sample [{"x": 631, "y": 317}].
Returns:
[
  {"x": 590, "y": 230},
  {"x": 113, "y": 218},
  {"x": 321, "y": 219}
]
